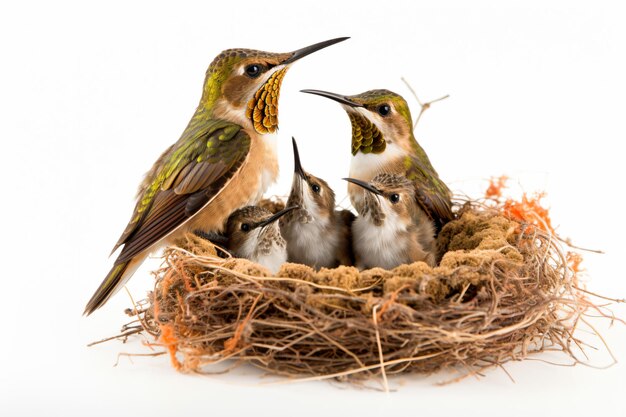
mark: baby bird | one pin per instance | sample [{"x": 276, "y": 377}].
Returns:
[
  {"x": 391, "y": 229},
  {"x": 253, "y": 233},
  {"x": 317, "y": 235}
]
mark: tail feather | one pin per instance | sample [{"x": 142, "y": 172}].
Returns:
[{"x": 114, "y": 281}]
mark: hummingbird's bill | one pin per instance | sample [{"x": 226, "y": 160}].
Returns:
[
  {"x": 297, "y": 166},
  {"x": 275, "y": 217},
  {"x": 364, "y": 185},
  {"x": 307, "y": 50},
  {"x": 336, "y": 97}
]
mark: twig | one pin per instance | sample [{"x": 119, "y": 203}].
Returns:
[
  {"x": 423, "y": 106},
  {"x": 131, "y": 355},
  {"x": 380, "y": 349},
  {"x": 119, "y": 336}
]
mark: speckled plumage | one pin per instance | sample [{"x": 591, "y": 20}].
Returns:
[
  {"x": 317, "y": 234},
  {"x": 389, "y": 233},
  {"x": 262, "y": 244}
]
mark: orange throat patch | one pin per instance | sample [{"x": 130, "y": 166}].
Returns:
[{"x": 262, "y": 109}]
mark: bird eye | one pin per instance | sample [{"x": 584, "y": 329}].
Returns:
[
  {"x": 315, "y": 188},
  {"x": 384, "y": 109},
  {"x": 253, "y": 70},
  {"x": 245, "y": 227},
  {"x": 394, "y": 198}
]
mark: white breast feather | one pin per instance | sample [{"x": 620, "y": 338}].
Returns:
[
  {"x": 311, "y": 243},
  {"x": 364, "y": 166},
  {"x": 274, "y": 259},
  {"x": 248, "y": 248},
  {"x": 378, "y": 245}
]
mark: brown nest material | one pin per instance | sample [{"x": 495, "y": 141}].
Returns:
[{"x": 503, "y": 290}]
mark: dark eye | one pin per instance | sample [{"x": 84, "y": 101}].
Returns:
[
  {"x": 253, "y": 70},
  {"x": 315, "y": 188},
  {"x": 394, "y": 198},
  {"x": 245, "y": 227},
  {"x": 384, "y": 109}
]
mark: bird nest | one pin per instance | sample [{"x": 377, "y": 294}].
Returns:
[{"x": 504, "y": 289}]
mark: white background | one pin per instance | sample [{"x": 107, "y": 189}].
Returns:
[{"x": 90, "y": 94}]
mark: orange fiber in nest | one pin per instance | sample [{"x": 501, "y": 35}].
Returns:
[
  {"x": 528, "y": 211},
  {"x": 574, "y": 260},
  {"x": 169, "y": 340},
  {"x": 496, "y": 185}
]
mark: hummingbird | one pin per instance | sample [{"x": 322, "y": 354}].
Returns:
[
  {"x": 391, "y": 229},
  {"x": 225, "y": 159},
  {"x": 317, "y": 235},
  {"x": 253, "y": 233},
  {"x": 383, "y": 142}
]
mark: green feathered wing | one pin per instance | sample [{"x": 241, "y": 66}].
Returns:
[
  {"x": 183, "y": 180},
  {"x": 433, "y": 195}
]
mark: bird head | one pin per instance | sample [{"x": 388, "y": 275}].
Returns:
[
  {"x": 388, "y": 197},
  {"x": 313, "y": 195},
  {"x": 378, "y": 118},
  {"x": 252, "y": 230},
  {"x": 243, "y": 85}
]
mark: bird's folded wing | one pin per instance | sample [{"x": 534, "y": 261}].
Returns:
[
  {"x": 432, "y": 194},
  {"x": 194, "y": 172}
]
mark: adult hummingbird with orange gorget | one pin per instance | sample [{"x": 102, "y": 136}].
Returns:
[
  {"x": 317, "y": 234},
  {"x": 224, "y": 160},
  {"x": 390, "y": 229},
  {"x": 383, "y": 142}
]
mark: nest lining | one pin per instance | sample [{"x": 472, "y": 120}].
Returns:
[{"x": 503, "y": 290}]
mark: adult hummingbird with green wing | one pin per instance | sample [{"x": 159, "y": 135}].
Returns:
[
  {"x": 383, "y": 142},
  {"x": 224, "y": 160}
]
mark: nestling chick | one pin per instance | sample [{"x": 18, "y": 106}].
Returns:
[
  {"x": 253, "y": 233},
  {"x": 317, "y": 235},
  {"x": 391, "y": 229}
]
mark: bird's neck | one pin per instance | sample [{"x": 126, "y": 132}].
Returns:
[
  {"x": 415, "y": 149},
  {"x": 223, "y": 110}
]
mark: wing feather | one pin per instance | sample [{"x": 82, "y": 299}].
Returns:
[
  {"x": 432, "y": 194},
  {"x": 201, "y": 176},
  {"x": 193, "y": 173}
]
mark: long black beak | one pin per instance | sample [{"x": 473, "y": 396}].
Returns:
[
  {"x": 301, "y": 53},
  {"x": 297, "y": 166},
  {"x": 364, "y": 185},
  {"x": 276, "y": 216},
  {"x": 337, "y": 97}
]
